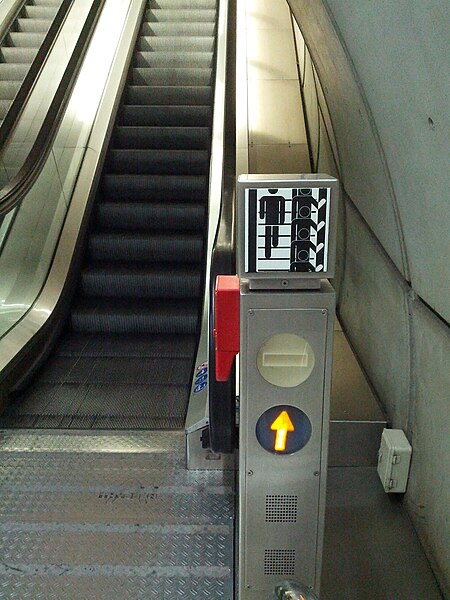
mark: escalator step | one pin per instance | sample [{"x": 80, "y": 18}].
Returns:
[
  {"x": 112, "y": 370},
  {"x": 129, "y": 216},
  {"x": 133, "y": 345},
  {"x": 177, "y": 15},
  {"x": 211, "y": 4},
  {"x": 175, "y": 29},
  {"x": 56, "y": 3},
  {"x": 40, "y": 12},
  {"x": 4, "y": 106},
  {"x": 176, "y": 43},
  {"x": 195, "y": 138},
  {"x": 166, "y": 116},
  {"x": 168, "y": 95},
  {"x": 33, "y": 25},
  {"x": 154, "y": 187},
  {"x": 162, "y": 162},
  {"x": 171, "y": 76},
  {"x": 160, "y": 59},
  {"x": 22, "y": 39},
  {"x": 157, "y": 247},
  {"x": 8, "y": 89},
  {"x": 12, "y": 72},
  {"x": 18, "y": 55},
  {"x": 100, "y": 315},
  {"x": 130, "y": 280}
]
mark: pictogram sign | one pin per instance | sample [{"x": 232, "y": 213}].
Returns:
[{"x": 287, "y": 229}]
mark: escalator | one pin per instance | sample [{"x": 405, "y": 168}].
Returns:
[
  {"x": 20, "y": 46},
  {"x": 126, "y": 357}
]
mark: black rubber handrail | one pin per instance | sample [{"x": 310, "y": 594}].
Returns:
[
  {"x": 222, "y": 395},
  {"x": 15, "y": 190},
  {"x": 33, "y": 72}
]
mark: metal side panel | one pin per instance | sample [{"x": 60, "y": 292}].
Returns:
[
  {"x": 115, "y": 516},
  {"x": 198, "y": 414}
]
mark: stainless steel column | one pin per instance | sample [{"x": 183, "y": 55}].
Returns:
[{"x": 286, "y": 250}]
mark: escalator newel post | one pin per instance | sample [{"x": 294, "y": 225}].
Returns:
[{"x": 286, "y": 251}]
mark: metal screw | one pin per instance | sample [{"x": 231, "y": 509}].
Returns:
[
  {"x": 248, "y": 586},
  {"x": 324, "y": 312},
  {"x": 316, "y": 473},
  {"x": 251, "y": 311},
  {"x": 284, "y": 283},
  {"x": 250, "y": 473}
]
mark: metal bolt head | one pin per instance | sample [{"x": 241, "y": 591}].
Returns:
[
  {"x": 250, "y": 473},
  {"x": 284, "y": 283}
]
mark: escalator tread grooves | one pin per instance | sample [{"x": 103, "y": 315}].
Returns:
[{"x": 137, "y": 305}]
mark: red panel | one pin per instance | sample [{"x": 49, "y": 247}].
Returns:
[{"x": 226, "y": 323}]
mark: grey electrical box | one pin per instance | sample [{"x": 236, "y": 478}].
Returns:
[{"x": 394, "y": 458}]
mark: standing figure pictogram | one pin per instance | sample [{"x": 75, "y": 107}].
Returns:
[{"x": 272, "y": 213}]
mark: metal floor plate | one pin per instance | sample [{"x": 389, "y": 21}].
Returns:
[
  {"x": 371, "y": 549},
  {"x": 111, "y": 516}
]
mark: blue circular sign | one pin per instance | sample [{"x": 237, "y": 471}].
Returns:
[{"x": 283, "y": 429}]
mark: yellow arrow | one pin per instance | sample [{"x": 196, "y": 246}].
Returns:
[{"x": 282, "y": 425}]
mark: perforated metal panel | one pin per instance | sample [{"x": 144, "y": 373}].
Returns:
[
  {"x": 281, "y": 508},
  {"x": 279, "y": 562}
]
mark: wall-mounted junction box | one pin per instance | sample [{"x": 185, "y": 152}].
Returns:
[{"x": 394, "y": 458}]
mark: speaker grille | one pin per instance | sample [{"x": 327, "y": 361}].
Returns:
[
  {"x": 279, "y": 562},
  {"x": 281, "y": 509}
]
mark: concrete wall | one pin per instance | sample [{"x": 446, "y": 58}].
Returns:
[
  {"x": 275, "y": 136},
  {"x": 377, "y": 74}
]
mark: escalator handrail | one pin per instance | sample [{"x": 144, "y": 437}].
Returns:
[
  {"x": 12, "y": 15},
  {"x": 33, "y": 72},
  {"x": 15, "y": 190},
  {"x": 222, "y": 395}
]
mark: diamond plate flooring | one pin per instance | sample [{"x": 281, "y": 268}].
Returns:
[{"x": 111, "y": 516}]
